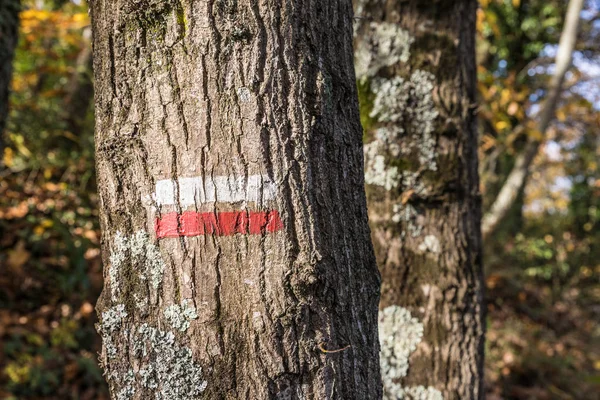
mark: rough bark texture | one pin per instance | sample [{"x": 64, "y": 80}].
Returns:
[
  {"x": 224, "y": 88},
  {"x": 416, "y": 75},
  {"x": 9, "y": 27}
]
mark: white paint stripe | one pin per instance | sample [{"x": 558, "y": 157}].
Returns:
[{"x": 197, "y": 190}]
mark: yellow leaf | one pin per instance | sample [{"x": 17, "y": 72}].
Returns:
[
  {"x": 516, "y": 3},
  {"x": 561, "y": 115},
  {"x": 18, "y": 142},
  {"x": 501, "y": 125},
  {"x": 17, "y": 373},
  {"x": 561, "y": 204},
  {"x": 81, "y": 17},
  {"x": 35, "y": 14},
  {"x": 505, "y": 96},
  {"x": 536, "y": 135},
  {"x": 8, "y": 158}
]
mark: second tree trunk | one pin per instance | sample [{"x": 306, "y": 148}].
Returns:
[{"x": 416, "y": 75}]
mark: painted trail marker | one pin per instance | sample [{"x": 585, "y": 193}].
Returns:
[
  {"x": 192, "y": 223},
  {"x": 195, "y": 191},
  {"x": 226, "y": 189}
]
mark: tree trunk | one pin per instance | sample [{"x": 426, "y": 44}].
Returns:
[
  {"x": 238, "y": 262},
  {"x": 416, "y": 75},
  {"x": 9, "y": 32}
]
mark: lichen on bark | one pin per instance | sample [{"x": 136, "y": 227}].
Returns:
[
  {"x": 382, "y": 45},
  {"x": 402, "y": 109},
  {"x": 134, "y": 259},
  {"x": 399, "y": 335},
  {"x": 157, "y": 365},
  {"x": 179, "y": 316}
]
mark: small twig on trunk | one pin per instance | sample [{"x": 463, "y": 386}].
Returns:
[{"x": 322, "y": 348}]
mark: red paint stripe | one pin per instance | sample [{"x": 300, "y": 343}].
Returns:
[{"x": 192, "y": 223}]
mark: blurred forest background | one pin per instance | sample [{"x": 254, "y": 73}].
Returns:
[{"x": 542, "y": 264}]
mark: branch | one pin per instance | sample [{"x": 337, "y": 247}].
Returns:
[{"x": 518, "y": 176}]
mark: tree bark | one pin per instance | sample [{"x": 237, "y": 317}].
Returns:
[
  {"x": 238, "y": 261},
  {"x": 416, "y": 76},
  {"x": 516, "y": 180},
  {"x": 9, "y": 32}
]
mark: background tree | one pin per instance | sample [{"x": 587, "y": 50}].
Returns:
[
  {"x": 229, "y": 156},
  {"x": 9, "y": 24},
  {"x": 539, "y": 260},
  {"x": 516, "y": 179},
  {"x": 49, "y": 256},
  {"x": 416, "y": 73}
]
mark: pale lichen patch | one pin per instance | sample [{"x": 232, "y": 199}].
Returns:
[
  {"x": 111, "y": 321},
  {"x": 162, "y": 367},
  {"x": 424, "y": 114},
  {"x": 148, "y": 377},
  {"x": 141, "y": 301},
  {"x": 399, "y": 335},
  {"x": 391, "y": 99},
  {"x": 117, "y": 259},
  {"x": 166, "y": 367},
  {"x": 408, "y": 214},
  {"x": 147, "y": 254},
  {"x": 383, "y": 44},
  {"x": 112, "y": 318},
  {"x": 430, "y": 244},
  {"x": 409, "y": 104},
  {"x": 179, "y": 316},
  {"x": 411, "y": 181},
  {"x": 376, "y": 171},
  {"x": 127, "y": 390},
  {"x": 403, "y": 107},
  {"x": 422, "y": 393},
  {"x": 244, "y": 94},
  {"x": 139, "y": 252}
]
